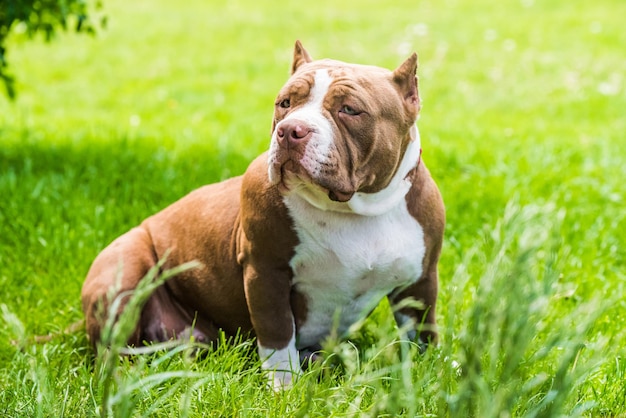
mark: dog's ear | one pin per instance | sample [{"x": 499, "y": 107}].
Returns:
[
  {"x": 405, "y": 78},
  {"x": 300, "y": 56}
]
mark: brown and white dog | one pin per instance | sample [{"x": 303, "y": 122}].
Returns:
[{"x": 340, "y": 213}]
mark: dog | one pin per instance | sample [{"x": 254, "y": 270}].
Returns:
[{"x": 338, "y": 214}]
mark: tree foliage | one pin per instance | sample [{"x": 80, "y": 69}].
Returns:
[{"x": 43, "y": 17}]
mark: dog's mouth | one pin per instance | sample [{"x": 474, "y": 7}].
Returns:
[{"x": 292, "y": 176}]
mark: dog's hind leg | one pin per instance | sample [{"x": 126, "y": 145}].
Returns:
[
  {"x": 164, "y": 319},
  {"x": 116, "y": 270}
]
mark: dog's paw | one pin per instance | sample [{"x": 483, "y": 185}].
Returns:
[
  {"x": 280, "y": 380},
  {"x": 281, "y": 365}
]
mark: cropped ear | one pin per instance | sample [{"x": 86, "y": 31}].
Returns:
[
  {"x": 300, "y": 56},
  {"x": 404, "y": 76}
]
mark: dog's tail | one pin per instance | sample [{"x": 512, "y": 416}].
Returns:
[{"x": 41, "y": 339}]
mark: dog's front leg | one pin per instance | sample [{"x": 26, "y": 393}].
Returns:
[
  {"x": 268, "y": 296},
  {"x": 419, "y": 312}
]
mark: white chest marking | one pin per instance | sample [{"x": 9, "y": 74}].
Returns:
[{"x": 346, "y": 263}]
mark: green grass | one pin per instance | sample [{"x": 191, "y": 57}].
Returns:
[{"x": 522, "y": 127}]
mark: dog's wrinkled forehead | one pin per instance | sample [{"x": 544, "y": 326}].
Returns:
[{"x": 365, "y": 85}]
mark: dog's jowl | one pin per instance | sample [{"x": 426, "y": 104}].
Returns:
[{"x": 338, "y": 214}]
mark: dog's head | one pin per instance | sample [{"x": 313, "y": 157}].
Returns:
[{"x": 343, "y": 132}]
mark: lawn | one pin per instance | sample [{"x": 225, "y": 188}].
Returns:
[{"x": 523, "y": 128}]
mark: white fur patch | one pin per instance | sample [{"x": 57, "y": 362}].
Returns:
[
  {"x": 283, "y": 364},
  {"x": 319, "y": 146},
  {"x": 346, "y": 263}
]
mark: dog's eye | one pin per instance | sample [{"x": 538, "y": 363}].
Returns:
[
  {"x": 349, "y": 110},
  {"x": 285, "y": 104}
]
